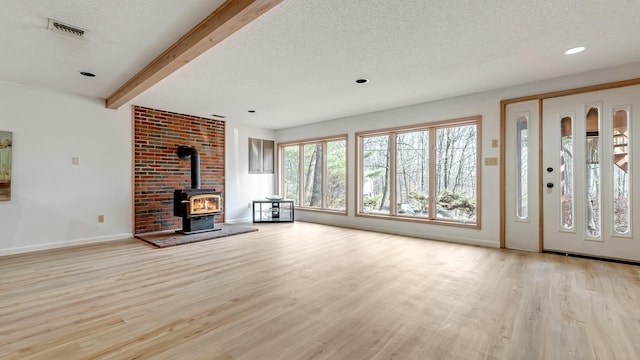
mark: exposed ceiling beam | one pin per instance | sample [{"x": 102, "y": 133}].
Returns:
[{"x": 230, "y": 17}]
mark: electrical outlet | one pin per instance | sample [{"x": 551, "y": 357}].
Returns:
[
  {"x": 249, "y": 205},
  {"x": 100, "y": 218}
]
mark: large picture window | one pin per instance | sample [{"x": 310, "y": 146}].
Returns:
[
  {"x": 428, "y": 172},
  {"x": 314, "y": 173}
]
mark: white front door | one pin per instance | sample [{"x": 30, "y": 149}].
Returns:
[{"x": 591, "y": 150}]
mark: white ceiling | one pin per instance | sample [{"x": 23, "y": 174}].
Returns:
[{"x": 298, "y": 63}]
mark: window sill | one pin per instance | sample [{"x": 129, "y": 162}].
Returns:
[
  {"x": 323, "y": 211},
  {"x": 442, "y": 222}
]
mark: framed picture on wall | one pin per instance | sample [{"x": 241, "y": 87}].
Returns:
[{"x": 6, "y": 144}]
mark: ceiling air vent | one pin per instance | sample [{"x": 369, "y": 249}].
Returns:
[{"x": 66, "y": 29}]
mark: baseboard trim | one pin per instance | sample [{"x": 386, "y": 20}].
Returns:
[
  {"x": 458, "y": 240},
  {"x": 63, "y": 244},
  {"x": 238, "y": 221}
]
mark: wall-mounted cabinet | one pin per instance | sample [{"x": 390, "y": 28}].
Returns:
[{"x": 261, "y": 156}]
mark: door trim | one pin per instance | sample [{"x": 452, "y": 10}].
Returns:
[{"x": 503, "y": 151}]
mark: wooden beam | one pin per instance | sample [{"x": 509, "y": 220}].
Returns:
[{"x": 230, "y": 17}]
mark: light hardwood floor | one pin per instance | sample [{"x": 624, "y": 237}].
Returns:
[{"x": 307, "y": 291}]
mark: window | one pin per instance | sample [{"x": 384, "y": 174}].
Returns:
[
  {"x": 290, "y": 177},
  {"x": 522, "y": 174},
  {"x": 314, "y": 173},
  {"x": 567, "y": 208},
  {"x": 592, "y": 176},
  {"x": 621, "y": 171},
  {"x": 376, "y": 150},
  {"x": 427, "y": 172},
  {"x": 412, "y": 177}
]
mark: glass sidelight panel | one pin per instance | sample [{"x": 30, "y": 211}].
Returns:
[
  {"x": 621, "y": 176},
  {"x": 593, "y": 218},
  {"x": 522, "y": 172},
  {"x": 567, "y": 209}
]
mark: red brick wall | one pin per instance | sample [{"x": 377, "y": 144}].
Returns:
[{"x": 158, "y": 170}]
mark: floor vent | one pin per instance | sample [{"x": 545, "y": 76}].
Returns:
[{"x": 66, "y": 29}]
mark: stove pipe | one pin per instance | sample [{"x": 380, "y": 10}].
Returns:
[{"x": 186, "y": 152}]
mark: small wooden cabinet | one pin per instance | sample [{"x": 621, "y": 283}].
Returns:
[{"x": 272, "y": 211}]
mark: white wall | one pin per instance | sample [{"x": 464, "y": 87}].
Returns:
[
  {"x": 240, "y": 186},
  {"x": 55, "y": 203},
  {"x": 486, "y": 104}
]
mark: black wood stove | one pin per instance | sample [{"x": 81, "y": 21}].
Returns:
[{"x": 197, "y": 207}]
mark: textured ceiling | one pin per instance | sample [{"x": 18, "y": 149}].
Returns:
[
  {"x": 123, "y": 36},
  {"x": 297, "y": 63}
]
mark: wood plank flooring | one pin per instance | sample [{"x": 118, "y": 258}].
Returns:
[{"x": 307, "y": 291}]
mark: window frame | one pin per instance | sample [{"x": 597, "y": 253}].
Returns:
[
  {"x": 432, "y": 127},
  {"x": 323, "y": 141}
]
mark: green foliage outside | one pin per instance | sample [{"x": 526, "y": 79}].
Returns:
[{"x": 448, "y": 200}]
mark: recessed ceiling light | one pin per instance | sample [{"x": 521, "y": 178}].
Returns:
[
  {"x": 362, "y": 81},
  {"x": 575, "y": 50},
  {"x": 87, "y": 74},
  {"x": 252, "y": 111}
]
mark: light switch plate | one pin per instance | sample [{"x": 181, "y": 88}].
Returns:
[
  {"x": 75, "y": 160},
  {"x": 494, "y": 143},
  {"x": 490, "y": 161}
]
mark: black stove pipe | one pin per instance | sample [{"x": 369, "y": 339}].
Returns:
[{"x": 186, "y": 152}]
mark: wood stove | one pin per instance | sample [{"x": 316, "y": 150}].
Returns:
[{"x": 197, "y": 207}]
